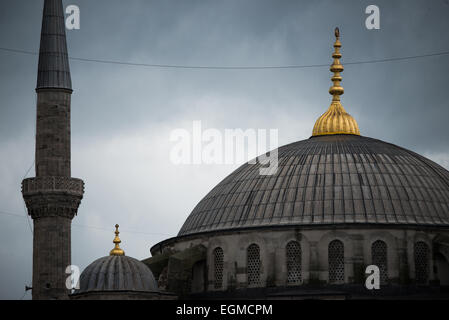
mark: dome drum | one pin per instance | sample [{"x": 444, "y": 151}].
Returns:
[{"x": 397, "y": 256}]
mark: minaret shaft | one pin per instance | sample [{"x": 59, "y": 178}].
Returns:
[
  {"x": 52, "y": 197},
  {"x": 53, "y": 133},
  {"x": 51, "y": 256}
]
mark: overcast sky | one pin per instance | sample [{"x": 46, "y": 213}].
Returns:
[{"x": 122, "y": 116}]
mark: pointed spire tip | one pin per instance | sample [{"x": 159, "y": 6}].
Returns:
[{"x": 53, "y": 69}]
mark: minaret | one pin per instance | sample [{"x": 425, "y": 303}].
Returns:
[
  {"x": 53, "y": 196},
  {"x": 336, "y": 120}
]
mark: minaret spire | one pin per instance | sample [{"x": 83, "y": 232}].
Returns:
[
  {"x": 336, "y": 120},
  {"x": 54, "y": 69},
  {"x": 53, "y": 196}
]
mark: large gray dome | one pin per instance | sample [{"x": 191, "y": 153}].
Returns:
[
  {"x": 117, "y": 273},
  {"x": 334, "y": 179}
]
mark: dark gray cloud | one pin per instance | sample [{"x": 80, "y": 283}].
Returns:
[{"x": 122, "y": 115}]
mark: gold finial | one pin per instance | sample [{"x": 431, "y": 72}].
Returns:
[
  {"x": 336, "y": 90},
  {"x": 336, "y": 120},
  {"x": 117, "y": 251}
]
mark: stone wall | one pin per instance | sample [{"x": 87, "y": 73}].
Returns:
[
  {"x": 123, "y": 295},
  {"x": 314, "y": 259}
]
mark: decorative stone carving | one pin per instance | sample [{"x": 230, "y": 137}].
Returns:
[{"x": 52, "y": 196}]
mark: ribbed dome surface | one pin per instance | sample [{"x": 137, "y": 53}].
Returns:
[
  {"x": 332, "y": 179},
  {"x": 117, "y": 273}
]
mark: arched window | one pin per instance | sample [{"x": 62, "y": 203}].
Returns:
[
  {"x": 294, "y": 255},
  {"x": 218, "y": 257},
  {"x": 379, "y": 258},
  {"x": 422, "y": 254},
  {"x": 253, "y": 264},
  {"x": 336, "y": 256}
]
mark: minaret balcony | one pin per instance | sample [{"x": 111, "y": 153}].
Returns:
[{"x": 52, "y": 196}]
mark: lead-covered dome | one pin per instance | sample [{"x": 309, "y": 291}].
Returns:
[
  {"x": 336, "y": 177},
  {"x": 331, "y": 179},
  {"x": 117, "y": 273}
]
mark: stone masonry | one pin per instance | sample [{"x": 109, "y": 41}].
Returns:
[{"x": 53, "y": 196}]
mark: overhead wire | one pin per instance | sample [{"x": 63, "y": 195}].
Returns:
[{"x": 220, "y": 67}]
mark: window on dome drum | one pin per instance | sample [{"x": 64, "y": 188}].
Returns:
[
  {"x": 218, "y": 256},
  {"x": 253, "y": 265},
  {"x": 379, "y": 258},
  {"x": 294, "y": 255},
  {"x": 422, "y": 254},
  {"x": 336, "y": 257}
]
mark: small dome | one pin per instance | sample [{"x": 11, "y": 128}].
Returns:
[{"x": 117, "y": 273}]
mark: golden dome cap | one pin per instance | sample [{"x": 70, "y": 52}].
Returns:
[
  {"x": 336, "y": 120},
  {"x": 117, "y": 251}
]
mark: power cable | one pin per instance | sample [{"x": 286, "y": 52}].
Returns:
[{"x": 170, "y": 66}]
